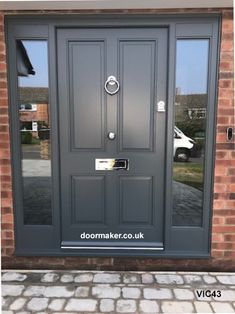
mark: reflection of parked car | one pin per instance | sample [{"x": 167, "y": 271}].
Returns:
[{"x": 182, "y": 145}]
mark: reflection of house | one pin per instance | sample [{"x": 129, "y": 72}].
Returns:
[
  {"x": 191, "y": 106},
  {"x": 34, "y": 113},
  {"x": 197, "y": 113}
]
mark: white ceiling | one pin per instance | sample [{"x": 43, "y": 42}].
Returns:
[{"x": 111, "y": 4}]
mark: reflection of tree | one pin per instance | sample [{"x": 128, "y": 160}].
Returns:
[{"x": 187, "y": 117}]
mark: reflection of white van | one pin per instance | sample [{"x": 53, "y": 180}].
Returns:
[{"x": 182, "y": 145}]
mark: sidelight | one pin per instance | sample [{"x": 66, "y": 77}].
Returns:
[
  {"x": 34, "y": 128},
  {"x": 191, "y": 98}
]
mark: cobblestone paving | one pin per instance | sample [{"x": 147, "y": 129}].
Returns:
[{"x": 55, "y": 292}]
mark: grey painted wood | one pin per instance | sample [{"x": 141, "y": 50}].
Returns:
[
  {"x": 179, "y": 242},
  {"x": 86, "y": 69},
  {"x": 137, "y": 77},
  {"x": 138, "y": 59},
  {"x": 88, "y": 200}
]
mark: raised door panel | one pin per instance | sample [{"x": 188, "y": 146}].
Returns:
[
  {"x": 136, "y": 200},
  {"x": 86, "y": 66},
  {"x": 137, "y": 76},
  {"x": 88, "y": 200}
]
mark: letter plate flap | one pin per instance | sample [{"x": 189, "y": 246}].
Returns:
[{"x": 112, "y": 164}]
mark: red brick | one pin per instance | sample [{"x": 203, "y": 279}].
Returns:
[
  {"x": 225, "y": 93},
  {"x": 230, "y": 221},
  {"x": 226, "y": 56},
  {"x": 226, "y": 65},
  {"x": 4, "y": 119},
  {"x": 223, "y": 229},
  {"x": 218, "y": 220},
  {"x": 223, "y": 246},
  {"x": 222, "y": 120},
  {"x": 227, "y": 45},
  {"x": 6, "y": 210},
  {"x": 3, "y": 102},
  {"x": 229, "y": 238}
]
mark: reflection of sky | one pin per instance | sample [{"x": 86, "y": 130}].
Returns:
[
  {"x": 37, "y": 53},
  {"x": 192, "y": 66}
]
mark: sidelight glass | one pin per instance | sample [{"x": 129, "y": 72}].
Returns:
[
  {"x": 190, "y": 130},
  {"x": 34, "y": 124}
]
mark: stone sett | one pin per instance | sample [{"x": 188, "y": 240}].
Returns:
[
  {"x": 67, "y": 278},
  {"x": 202, "y": 307},
  {"x": 57, "y": 304},
  {"x": 222, "y": 307},
  {"x": 126, "y": 306},
  {"x": 131, "y": 293},
  {"x": 147, "y": 306},
  {"x": 50, "y": 277},
  {"x": 183, "y": 294},
  {"x": 169, "y": 279},
  {"x": 226, "y": 280},
  {"x": 147, "y": 278},
  {"x": 107, "y": 305},
  {"x": 106, "y": 278},
  {"x": 18, "y": 304},
  {"x": 13, "y": 277},
  {"x": 85, "y": 305},
  {"x": 82, "y": 292},
  {"x": 104, "y": 291},
  {"x": 37, "y": 304},
  {"x": 83, "y": 278},
  {"x": 12, "y": 290},
  {"x": 34, "y": 291},
  {"x": 209, "y": 279},
  {"x": 59, "y": 292},
  {"x": 161, "y": 293},
  {"x": 177, "y": 307},
  {"x": 193, "y": 279},
  {"x": 131, "y": 278}
]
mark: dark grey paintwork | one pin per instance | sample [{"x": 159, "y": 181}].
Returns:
[
  {"x": 112, "y": 201},
  {"x": 178, "y": 241}
]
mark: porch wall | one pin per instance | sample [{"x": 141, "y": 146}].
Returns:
[{"x": 223, "y": 222}]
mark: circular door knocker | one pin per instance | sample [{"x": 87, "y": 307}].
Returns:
[{"x": 111, "y": 81}]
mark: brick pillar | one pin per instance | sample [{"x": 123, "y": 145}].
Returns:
[
  {"x": 5, "y": 161},
  {"x": 223, "y": 224}
]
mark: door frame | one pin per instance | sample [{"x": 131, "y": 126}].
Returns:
[{"x": 45, "y": 240}]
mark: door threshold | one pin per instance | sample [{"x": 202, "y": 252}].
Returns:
[{"x": 111, "y": 248}]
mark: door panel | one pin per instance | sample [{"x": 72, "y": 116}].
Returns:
[
  {"x": 124, "y": 201},
  {"x": 86, "y": 68},
  {"x": 136, "y": 210},
  {"x": 137, "y": 71},
  {"x": 88, "y": 197}
]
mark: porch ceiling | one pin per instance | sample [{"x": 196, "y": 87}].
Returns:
[{"x": 111, "y": 4}]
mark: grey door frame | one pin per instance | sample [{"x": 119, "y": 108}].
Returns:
[{"x": 45, "y": 240}]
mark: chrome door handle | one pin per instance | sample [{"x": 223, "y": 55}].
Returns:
[{"x": 111, "y": 81}]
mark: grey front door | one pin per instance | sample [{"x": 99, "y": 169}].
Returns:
[{"x": 119, "y": 209}]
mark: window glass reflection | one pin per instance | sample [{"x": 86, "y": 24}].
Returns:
[
  {"x": 189, "y": 130},
  {"x": 34, "y": 118}
]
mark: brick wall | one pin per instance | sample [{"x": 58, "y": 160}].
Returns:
[{"x": 223, "y": 225}]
